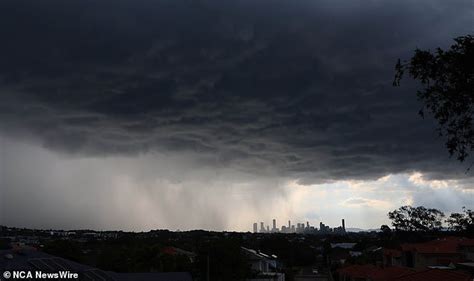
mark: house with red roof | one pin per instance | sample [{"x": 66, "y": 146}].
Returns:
[
  {"x": 436, "y": 275},
  {"x": 397, "y": 273},
  {"x": 173, "y": 251},
  {"x": 440, "y": 252},
  {"x": 429, "y": 261}
]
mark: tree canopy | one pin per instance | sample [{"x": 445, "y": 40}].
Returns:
[
  {"x": 462, "y": 221},
  {"x": 448, "y": 91},
  {"x": 408, "y": 218}
]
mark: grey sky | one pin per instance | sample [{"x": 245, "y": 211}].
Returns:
[{"x": 203, "y": 114}]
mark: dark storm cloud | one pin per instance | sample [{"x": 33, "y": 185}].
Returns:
[{"x": 301, "y": 86}]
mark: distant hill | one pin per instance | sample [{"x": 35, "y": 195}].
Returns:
[{"x": 355, "y": 229}]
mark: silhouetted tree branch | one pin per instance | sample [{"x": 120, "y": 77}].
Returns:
[{"x": 448, "y": 93}]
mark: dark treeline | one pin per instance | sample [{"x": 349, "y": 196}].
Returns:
[{"x": 422, "y": 219}]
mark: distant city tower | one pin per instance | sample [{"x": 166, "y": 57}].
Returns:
[
  {"x": 343, "y": 225},
  {"x": 255, "y": 227},
  {"x": 274, "y": 224}
]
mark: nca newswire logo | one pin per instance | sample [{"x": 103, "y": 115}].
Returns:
[{"x": 39, "y": 275}]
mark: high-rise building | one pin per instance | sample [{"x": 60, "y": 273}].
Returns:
[
  {"x": 343, "y": 225},
  {"x": 299, "y": 227},
  {"x": 262, "y": 227},
  {"x": 255, "y": 227},
  {"x": 324, "y": 228},
  {"x": 289, "y": 224},
  {"x": 274, "y": 225},
  {"x": 307, "y": 224}
]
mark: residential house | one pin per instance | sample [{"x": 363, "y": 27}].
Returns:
[
  {"x": 436, "y": 275},
  {"x": 264, "y": 266},
  {"x": 440, "y": 252}
]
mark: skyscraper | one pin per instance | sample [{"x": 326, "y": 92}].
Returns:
[
  {"x": 255, "y": 227},
  {"x": 343, "y": 225},
  {"x": 262, "y": 227},
  {"x": 274, "y": 225}
]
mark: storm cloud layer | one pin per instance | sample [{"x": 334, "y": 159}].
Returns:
[{"x": 299, "y": 89}]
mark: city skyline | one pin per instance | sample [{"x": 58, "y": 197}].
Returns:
[{"x": 300, "y": 227}]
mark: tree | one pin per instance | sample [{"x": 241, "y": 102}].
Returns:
[
  {"x": 385, "y": 232},
  {"x": 385, "y": 229},
  {"x": 461, "y": 221},
  {"x": 408, "y": 218},
  {"x": 448, "y": 91}
]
